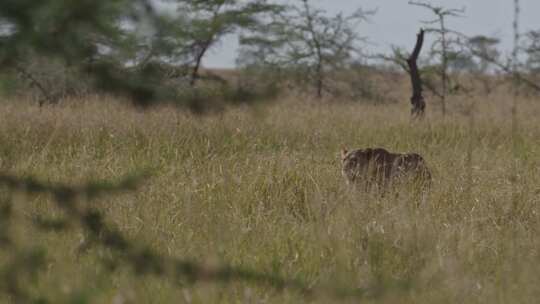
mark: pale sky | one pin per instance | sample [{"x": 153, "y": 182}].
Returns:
[{"x": 396, "y": 23}]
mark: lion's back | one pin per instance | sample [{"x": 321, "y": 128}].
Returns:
[{"x": 381, "y": 165}]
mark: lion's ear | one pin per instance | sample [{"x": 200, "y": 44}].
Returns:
[{"x": 344, "y": 152}]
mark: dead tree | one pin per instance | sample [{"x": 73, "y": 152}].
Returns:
[
  {"x": 417, "y": 100},
  {"x": 442, "y": 45}
]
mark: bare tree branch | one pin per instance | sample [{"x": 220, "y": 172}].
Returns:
[
  {"x": 506, "y": 69},
  {"x": 34, "y": 82}
]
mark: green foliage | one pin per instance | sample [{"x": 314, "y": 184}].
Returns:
[
  {"x": 86, "y": 36},
  {"x": 62, "y": 49}
]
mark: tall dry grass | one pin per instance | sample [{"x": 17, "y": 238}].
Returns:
[{"x": 261, "y": 188}]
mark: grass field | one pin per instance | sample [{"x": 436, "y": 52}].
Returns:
[{"x": 261, "y": 188}]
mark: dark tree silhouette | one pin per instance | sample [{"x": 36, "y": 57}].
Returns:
[{"x": 417, "y": 100}]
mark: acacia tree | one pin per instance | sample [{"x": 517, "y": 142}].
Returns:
[
  {"x": 305, "y": 39},
  {"x": 200, "y": 25},
  {"x": 492, "y": 58},
  {"x": 444, "y": 44},
  {"x": 484, "y": 50},
  {"x": 532, "y": 48},
  {"x": 487, "y": 48}
]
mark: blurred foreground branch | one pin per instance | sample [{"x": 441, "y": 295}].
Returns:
[{"x": 142, "y": 259}]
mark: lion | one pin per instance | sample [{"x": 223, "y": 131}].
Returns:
[{"x": 380, "y": 168}]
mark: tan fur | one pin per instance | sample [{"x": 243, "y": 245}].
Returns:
[{"x": 377, "y": 166}]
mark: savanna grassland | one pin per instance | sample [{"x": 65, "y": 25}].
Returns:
[{"x": 261, "y": 188}]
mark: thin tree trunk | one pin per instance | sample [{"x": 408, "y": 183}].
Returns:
[
  {"x": 417, "y": 100},
  {"x": 319, "y": 74},
  {"x": 319, "y": 80},
  {"x": 204, "y": 47},
  {"x": 444, "y": 68},
  {"x": 198, "y": 61},
  {"x": 514, "y": 110}
]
